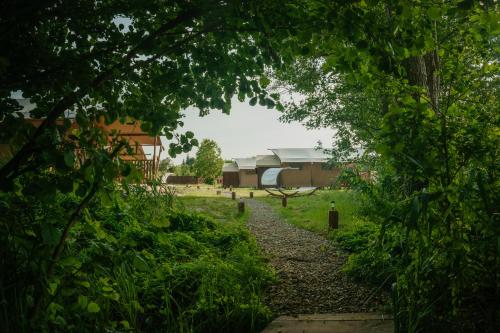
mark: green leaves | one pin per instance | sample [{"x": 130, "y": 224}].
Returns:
[
  {"x": 50, "y": 234},
  {"x": 93, "y": 307},
  {"x": 208, "y": 162},
  {"x": 434, "y": 13},
  {"x": 253, "y": 101},
  {"x": 69, "y": 158}
]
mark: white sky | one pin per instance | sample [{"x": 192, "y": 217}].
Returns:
[{"x": 249, "y": 131}]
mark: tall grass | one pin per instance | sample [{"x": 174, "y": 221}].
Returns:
[{"x": 311, "y": 212}]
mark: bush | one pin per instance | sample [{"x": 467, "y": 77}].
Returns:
[{"x": 130, "y": 265}]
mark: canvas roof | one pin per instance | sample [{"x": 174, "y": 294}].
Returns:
[
  {"x": 300, "y": 155},
  {"x": 230, "y": 167},
  {"x": 267, "y": 161},
  {"x": 270, "y": 176},
  {"x": 246, "y": 163}
]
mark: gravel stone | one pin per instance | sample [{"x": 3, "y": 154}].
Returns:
[{"x": 309, "y": 269}]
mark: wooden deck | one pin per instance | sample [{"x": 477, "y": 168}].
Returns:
[{"x": 332, "y": 323}]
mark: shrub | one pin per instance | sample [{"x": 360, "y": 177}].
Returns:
[{"x": 127, "y": 267}]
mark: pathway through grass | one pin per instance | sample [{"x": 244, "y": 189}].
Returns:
[
  {"x": 311, "y": 212},
  {"x": 309, "y": 268}
]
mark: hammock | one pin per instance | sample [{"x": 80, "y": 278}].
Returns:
[
  {"x": 300, "y": 192},
  {"x": 270, "y": 178}
]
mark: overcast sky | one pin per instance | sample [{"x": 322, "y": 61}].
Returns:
[{"x": 249, "y": 131}]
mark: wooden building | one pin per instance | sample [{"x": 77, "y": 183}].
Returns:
[
  {"x": 146, "y": 148},
  {"x": 246, "y": 171},
  {"x": 230, "y": 175},
  {"x": 308, "y": 167},
  {"x": 264, "y": 162},
  {"x": 147, "y": 162}
]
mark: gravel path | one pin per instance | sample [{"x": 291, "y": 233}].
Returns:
[{"x": 308, "y": 267}]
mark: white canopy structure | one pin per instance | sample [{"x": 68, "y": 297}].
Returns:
[
  {"x": 246, "y": 163},
  {"x": 270, "y": 177},
  {"x": 270, "y": 161},
  {"x": 301, "y": 155},
  {"x": 230, "y": 167}
]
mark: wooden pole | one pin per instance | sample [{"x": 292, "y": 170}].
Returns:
[
  {"x": 284, "y": 201},
  {"x": 251, "y": 195},
  {"x": 154, "y": 158},
  {"x": 218, "y": 192},
  {"x": 233, "y": 195},
  {"x": 241, "y": 207},
  {"x": 333, "y": 219}
]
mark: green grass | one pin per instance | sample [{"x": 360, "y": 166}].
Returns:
[
  {"x": 205, "y": 190},
  {"x": 311, "y": 212},
  {"x": 219, "y": 208}
]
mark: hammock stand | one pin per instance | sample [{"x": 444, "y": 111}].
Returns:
[
  {"x": 296, "y": 193},
  {"x": 270, "y": 178}
]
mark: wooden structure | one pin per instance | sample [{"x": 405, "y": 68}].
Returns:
[
  {"x": 247, "y": 175},
  {"x": 129, "y": 130},
  {"x": 271, "y": 184},
  {"x": 137, "y": 139},
  {"x": 332, "y": 323},
  {"x": 305, "y": 167},
  {"x": 182, "y": 180},
  {"x": 264, "y": 162},
  {"x": 230, "y": 175}
]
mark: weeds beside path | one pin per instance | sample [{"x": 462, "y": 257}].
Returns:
[{"x": 309, "y": 269}]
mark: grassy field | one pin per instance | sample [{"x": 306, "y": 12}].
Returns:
[
  {"x": 311, "y": 212},
  {"x": 221, "y": 209},
  {"x": 211, "y": 191}
]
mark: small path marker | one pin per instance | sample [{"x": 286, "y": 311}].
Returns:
[
  {"x": 233, "y": 195},
  {"x": 241, "y": 207},
  {"x": 333, "y": 217},
  {"x": 251, "y": 195},
  {"x": 284, "y": 201},
  {"x": 218, "y": 192}
]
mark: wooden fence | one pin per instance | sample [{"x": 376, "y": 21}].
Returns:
[{"x": 172, "y": 179}]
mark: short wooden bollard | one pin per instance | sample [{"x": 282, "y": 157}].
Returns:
[
  {"x": 233, "y": 195},
  {"x": 218, "y": 192},
  {"x": 241, "y": 207},
  {"x": 198, "y": 187},
  {"x": 251, "y": 195},
  {"x": 333, "y": 219},
  {"x": 284, "y": 201}
]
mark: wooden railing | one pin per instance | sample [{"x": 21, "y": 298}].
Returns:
[{"x": 148, "y": 168}]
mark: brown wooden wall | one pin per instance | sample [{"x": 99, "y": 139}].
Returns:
[
  {"x": 172, "y": 179},
  {"x": 248, "y": 178},
  {"x": 310, "y": 174},
  {"x": 230, "y": 179}
]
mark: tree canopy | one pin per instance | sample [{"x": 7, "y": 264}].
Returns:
[
  {"x": 208, "y": 162},
  {"x": 416, "y": 85},
  {"x": 414, "y": 82}
]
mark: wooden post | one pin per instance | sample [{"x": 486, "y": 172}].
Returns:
[
  {"x": 241, "y": 207},
  {"x": 233, "y": 195},
  {"x": 333, "y": 219},
  {"x": 154, "y": 159},
  {"x": 218, "y": 192},
  {"x": 251, "y": 195},
  {"x": 284, "y": 201},
  {"x": 198, "y": 187}
]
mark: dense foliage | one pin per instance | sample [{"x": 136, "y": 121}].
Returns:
[
  {"x": 135, "y": 263},
  {"x": 415, "y": 84},
  {"x": 81, "y": 62},
  {"x": 208, "y": 162}
]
